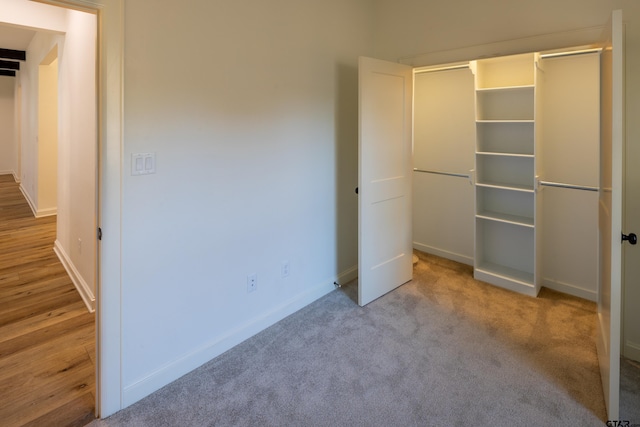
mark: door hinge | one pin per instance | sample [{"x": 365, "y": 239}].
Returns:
[{"x": 99, "y": 233}]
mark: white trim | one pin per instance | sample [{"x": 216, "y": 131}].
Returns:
[
  {"x": 631, "y": 350},
  {"x": 78, "y": 281},
  {"x": 541, "y": 42},
  {"x": 11, "y": 172},
  {"x": 110, "y": 70},
  {"x": 347, "y": 276},
  {"x": 30, "y": 202},
  {"x": 597, "y": 50},
  {"x": 109, "y": 284},
  {"x": 28, "y": 199},
  {"x": 505, "y": 282},
  {"x": 567, "y": 288},
  {"x": 169, "y": 372},
  {"x": 464, "y": 259},
  {"x": 38, "y": 213},
  {"x": 41, "y": 213},
  {"x": 423, "y": 70}
]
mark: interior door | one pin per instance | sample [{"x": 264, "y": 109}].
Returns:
[
  {"x": 385, "y": 178},
  {"x": 610, "y": 215}
]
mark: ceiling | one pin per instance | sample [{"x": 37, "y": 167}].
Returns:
[{"x": 15, "y": 38}]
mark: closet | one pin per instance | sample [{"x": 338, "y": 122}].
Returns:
[
  {"x": 443, "y": 159},
  {"x": 506, "y": 168}
]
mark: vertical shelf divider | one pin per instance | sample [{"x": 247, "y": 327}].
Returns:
[{"x": 506, "y": 165}]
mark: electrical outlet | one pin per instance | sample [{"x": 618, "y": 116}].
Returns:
[
  {"x": 252, "y": 282},
  {"x": 80, "y": 245},
  {"x": 285, "y": 269}
]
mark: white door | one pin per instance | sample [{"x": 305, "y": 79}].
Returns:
[
  {"x": 385, "y": 178},
  {"x": 610, "y": 215}
]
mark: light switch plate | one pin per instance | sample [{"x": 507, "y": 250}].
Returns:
[{"x": 143, "y": 163}]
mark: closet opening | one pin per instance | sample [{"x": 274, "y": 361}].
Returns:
[{"x": 506, "y": 168}]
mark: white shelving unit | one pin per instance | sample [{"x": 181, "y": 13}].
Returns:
[
  {"x": 507, "y": 165},
  {"x": 505, "y": 220}
]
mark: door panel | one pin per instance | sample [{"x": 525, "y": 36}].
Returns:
[
  {"x": 610, "y": 215},
  {"x": 384, "y": 182}
]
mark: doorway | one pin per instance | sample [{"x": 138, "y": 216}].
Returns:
[
  {"x": 521, "y": 219},
  {"x": 59, "y": 105},
  {"x": 109, "y": 72}
]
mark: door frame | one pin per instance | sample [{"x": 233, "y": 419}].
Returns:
[
  {"x": 609, "y": 308},
  {"x": 109, "y": 70}
]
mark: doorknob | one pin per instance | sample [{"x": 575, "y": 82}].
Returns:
[
  {"x": 356, "y": 190},
  {"x": 632, "y": 238}
]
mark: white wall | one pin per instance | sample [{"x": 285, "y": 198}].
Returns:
[
  {"x": 406, "y": 28},
  {"x": 7, "y": 138},
  {"x": 40, "y": 46},
  {"x": 47, "y": 140},
  {"x": 77, "y": 198},
  {"x": 251, "y": 109},
  {"x": 30, "y": 14}
]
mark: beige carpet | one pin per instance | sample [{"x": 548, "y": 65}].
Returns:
[
  {"x": 630, "y": 391},
  {"x": 440, "y": 350}
]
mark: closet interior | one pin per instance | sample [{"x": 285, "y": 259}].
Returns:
[{"x": 506, "y": 168}]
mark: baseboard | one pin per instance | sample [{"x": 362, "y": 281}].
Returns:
[
  {"x": 347, "y": 276},
  {"x": 30, "y": 202},
  {"x": 41, "y": 213},
  {"x": 444, "y": 254},
  {"x": 10, "y": 172},
  {"x": 38, "y": 213},
  {"x": 81, "y": 285},
  {"x": 569, "y": 289},
  {"x": 190, "y": 361},
  {"x": 631, "y": 350}
]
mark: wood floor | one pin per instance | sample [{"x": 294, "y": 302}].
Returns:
[{"x": 47, "y": 335}]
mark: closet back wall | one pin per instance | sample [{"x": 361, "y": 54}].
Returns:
[
  {"x": 443, "y": 156},
  {"x": 570, "y": 136}
]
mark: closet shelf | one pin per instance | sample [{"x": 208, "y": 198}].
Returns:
[
  {"x": 507, "y": 121},
  {"x": 502, "y": 186},
  {"x": 506, "y": 218},
  {"x": 504, "y": 154},
  {"x": 507, "y": 273},
  {"x": 506, "y": 88}
]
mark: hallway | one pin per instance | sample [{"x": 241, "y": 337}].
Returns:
[{"x": 47, "y": 335}]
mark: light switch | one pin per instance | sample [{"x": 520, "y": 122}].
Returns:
[
  {"x": 148, "y": 163},
  {"x": 143, "y": 163}
]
